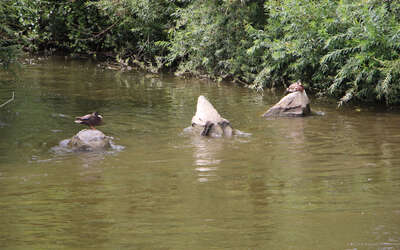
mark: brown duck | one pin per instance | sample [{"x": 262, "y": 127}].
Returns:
[
  {"x": 294, "y": 87},
  {"x": 93, "y": 119}
]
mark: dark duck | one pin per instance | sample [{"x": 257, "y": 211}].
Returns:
[{"x": 93, "y": 119}]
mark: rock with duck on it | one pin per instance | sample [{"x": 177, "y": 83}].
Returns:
[
  {"x": 294, "y": 104},
  {"x": 90, "y": 140}
]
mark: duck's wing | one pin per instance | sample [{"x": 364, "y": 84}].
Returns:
[{"x": 84, "y": 118}]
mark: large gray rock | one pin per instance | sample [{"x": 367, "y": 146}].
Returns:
[
  {"x": 294, "y": 104},
  {"x": 208, "y": 122},
  {"x": 90, "y": 140}
]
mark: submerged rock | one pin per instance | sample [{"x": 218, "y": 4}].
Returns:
[
  {"x": 208, "y": 122},
  {"x": 90, "y": 140},
  {"x": 294, "y": 104}
]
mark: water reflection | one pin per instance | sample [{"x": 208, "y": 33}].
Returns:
[
  {"x": 206, "y": 156},
  {"x": 206, "y": 151},
  {"x": 292, "y": 129},
  {"x": 206, "y": 174}
]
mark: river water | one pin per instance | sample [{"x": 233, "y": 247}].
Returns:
[{"x": 321, "y": 182}]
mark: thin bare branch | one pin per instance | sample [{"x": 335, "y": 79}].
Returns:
[{"x": 10, "y": 100}]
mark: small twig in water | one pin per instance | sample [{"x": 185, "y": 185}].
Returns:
[{"x": 12, "y": 99}]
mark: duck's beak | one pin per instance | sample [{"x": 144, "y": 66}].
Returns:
[{"x": 100, "y": 116}]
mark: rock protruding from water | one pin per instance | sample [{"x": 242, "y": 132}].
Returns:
[
  {"x": 90, "y": 140},
  {"x": 294, "y": 104},
  {"x": 209, "y": 122}
]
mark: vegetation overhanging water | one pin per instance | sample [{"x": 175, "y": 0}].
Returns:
[{"x": 348, "y": 50}]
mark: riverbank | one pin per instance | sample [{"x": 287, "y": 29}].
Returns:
[{"x": 345, "y": 50}]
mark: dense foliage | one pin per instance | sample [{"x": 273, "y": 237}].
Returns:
[
  {"x": 210, "y": 38},
  {"x": 348, "y": 49}
]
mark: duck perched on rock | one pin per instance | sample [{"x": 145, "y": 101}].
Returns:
[
  {"x": 295, "y": 87},
  {"x": 93, "y": 119},
  {"x": 295, "y": 103}
]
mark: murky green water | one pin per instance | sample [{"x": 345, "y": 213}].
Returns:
[{"x": 322, "y": 182}]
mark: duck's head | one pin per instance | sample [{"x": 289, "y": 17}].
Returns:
[
  {"x": 96, "y": 114},
  {"x": 294, "y": 87}
]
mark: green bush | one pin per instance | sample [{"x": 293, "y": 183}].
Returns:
[
  {"x": 38, "y": 25},
  {"x": 346, "y": 49},
  {"x": 9, "y": 49},
  {"x": 292, "y": 41},
  {"x": 363, "y": 56},
  {"x": 210, "y": 39},
  {"x": 133, "y": 29},
  {"x": 138, "y": 29}
]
